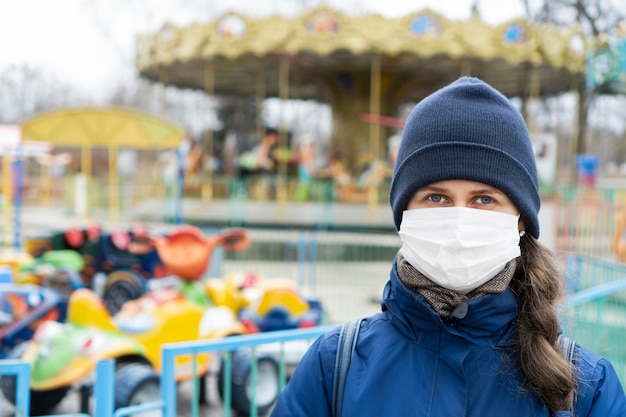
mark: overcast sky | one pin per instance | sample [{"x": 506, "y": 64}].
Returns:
[{"x": 90, "y": 43}]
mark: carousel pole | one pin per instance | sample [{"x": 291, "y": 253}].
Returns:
[
  {"x": 7, "y": 191},
  {"x": 45, "y": 184},
  {"x": 531, "y": 80},
  {"x": 209, "y": 89},
  {"x": 535, "y": 92},
  {"x": 260, "y": 97},
  {"x": 164, "y": 189},
  {"x": 19, "y": 196},
  {"x": 174, "y": 193},
  {"x": 466, "y": 68},
  {"x": 283, "y": 87},
  {"x": 374, "y": 128},
  {"x": 114, "y": 197},
  {"x": 82, "y": 195}
]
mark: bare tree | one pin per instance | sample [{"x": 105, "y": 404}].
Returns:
[
  {"x": 594, "y": 18},
  {"x": 26, "y": 90}
]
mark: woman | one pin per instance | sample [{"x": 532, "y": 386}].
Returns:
[{"x": 468, "y": 326}]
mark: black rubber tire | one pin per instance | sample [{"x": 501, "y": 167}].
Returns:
[
  {"x": 136, "y": 383},
  {"x": 41, "y": 402},
  {"x": 203, "y": 386},
  {"x": 121, "y": 286},
  {"x": 267, "y": 387}
]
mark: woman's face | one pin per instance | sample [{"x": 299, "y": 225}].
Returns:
[{"x": 463, "y": 193}]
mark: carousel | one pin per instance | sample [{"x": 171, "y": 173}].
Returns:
[{"x": 364, "y": 67}]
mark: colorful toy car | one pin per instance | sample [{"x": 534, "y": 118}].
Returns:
[
  {"x": 37, "y": 293},
  {"x": 266, "y": 304},
  {"x": 23, "y": 308},
  {"x": 123, "y": 259},
  {"x": 58, "y": 269},
  {"x": 65, "y": 355}
]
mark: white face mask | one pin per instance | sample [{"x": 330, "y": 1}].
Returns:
[{"x": 459, "y": 248}]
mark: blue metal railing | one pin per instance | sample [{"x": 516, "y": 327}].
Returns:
[
  {"x": 230, "y": 344},
  {"x": 21, "y": 370},
  {"x": 594, "y": 311},
  {"x": 594, "y": 293}
]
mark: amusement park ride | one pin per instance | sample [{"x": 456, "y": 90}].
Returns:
[
  {"x": 365, "y": 64},
  {"x": 154, "y": 289}
]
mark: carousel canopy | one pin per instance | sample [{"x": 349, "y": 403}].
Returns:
[{"x": 242, "y": 54}]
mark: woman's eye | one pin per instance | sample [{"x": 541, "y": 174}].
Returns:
[
  {"x": 435, "y": 198},
  {"x": 485, "y": 200}
]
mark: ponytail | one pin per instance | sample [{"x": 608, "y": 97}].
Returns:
[{"x": 537, "y": 284}]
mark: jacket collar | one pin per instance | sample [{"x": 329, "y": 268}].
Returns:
[{"x": 489, "y": 320}]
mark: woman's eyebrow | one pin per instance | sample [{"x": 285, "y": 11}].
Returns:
[
  {"x": 432, "y": 188},
  {"x": 487, "y": 190}
]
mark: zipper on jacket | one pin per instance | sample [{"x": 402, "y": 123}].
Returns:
[{"x": 459, "y": 313}]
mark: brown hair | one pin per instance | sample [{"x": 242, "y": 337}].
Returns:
[{"x": 538, "y": 285}]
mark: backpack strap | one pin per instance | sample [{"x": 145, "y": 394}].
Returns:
[
  {"x": 345, "y": 348},
  {"x": 567, "y": 345}
]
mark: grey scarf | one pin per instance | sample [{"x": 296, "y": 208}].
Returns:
[{"x": 443, "y": 300}]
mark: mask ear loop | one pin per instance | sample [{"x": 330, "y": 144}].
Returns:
[{"x": 521, "y": 232}]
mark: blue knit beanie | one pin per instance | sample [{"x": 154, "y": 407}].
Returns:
[{"x": 467, "y": 131}]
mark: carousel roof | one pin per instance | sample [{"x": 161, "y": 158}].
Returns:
[{"x": 242, "y": 52}]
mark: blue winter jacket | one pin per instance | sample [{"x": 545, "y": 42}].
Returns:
[{"x": 408, "y": 362}]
